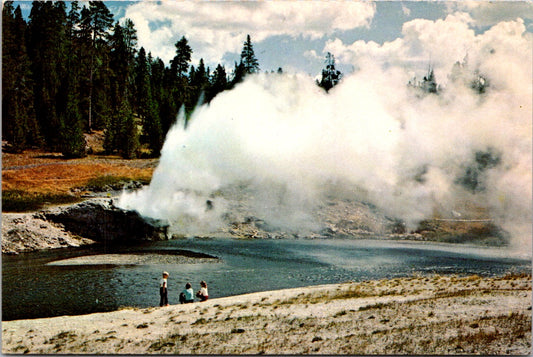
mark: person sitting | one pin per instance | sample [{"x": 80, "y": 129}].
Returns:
[
  {"x": 187, "y": 295},
  {"x": 202, "y": 294}
]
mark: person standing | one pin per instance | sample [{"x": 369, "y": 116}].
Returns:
[
  {"x": 202, "y": 293},
  {"x": 163, "y": 290},
  {"x": 187, "y": 295}
]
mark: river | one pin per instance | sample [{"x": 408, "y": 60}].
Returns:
[{"x": 38, "y": 285}]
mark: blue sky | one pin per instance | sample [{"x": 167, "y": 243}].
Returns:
[{"x": 295, "y": 35}]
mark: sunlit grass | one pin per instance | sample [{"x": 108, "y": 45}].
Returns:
[{"x": 33, "y": 180}]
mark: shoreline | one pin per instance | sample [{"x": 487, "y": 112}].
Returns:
[{"x": 432, "y": 315}]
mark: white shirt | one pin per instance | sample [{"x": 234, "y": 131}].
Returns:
[
  {"x": 203, "y": 291},
  {"x": 163, "y": 281}
]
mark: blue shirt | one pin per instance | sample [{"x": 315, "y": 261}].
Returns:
[{"x": 189, "y": 294}]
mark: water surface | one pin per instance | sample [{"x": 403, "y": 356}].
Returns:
[{"x": 41, "y": 284}]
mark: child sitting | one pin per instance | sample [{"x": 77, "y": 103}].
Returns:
[
  {"x": 202, "y": 293},
  {"x": 187, "y": 295}
]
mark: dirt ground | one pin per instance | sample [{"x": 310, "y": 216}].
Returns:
[{"x": 418, "y": 315}]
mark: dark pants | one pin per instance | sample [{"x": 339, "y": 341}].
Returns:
[{"x": 164, "y": 296}]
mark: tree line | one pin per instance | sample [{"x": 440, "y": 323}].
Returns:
[{"x": 67, "y": 72}]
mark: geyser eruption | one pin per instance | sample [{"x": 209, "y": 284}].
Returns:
[{"x": 285, "y": 145}]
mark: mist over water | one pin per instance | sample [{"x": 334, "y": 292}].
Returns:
[{"x": 288, "y": 145}]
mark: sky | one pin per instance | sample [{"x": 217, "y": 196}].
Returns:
[{"x": 296, "y": 35}]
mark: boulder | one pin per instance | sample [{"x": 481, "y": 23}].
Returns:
[{"x": 101, "y": 220}]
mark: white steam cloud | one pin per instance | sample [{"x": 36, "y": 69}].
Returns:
[{"x": 372, "y": 137}]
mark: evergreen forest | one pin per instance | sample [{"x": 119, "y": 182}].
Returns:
[{"x": 72, "y": 70}]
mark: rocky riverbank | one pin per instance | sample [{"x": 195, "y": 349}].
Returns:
[
  {"x": 419, "y": 315},
  {"x": 98, "y": 220},
  {"x": 92, "y": 221},
  {"x": 351, "y": 218},
  {"x": 25, "y": 232}
]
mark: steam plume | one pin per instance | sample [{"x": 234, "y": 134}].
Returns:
[{"x": 289, "y": 144}]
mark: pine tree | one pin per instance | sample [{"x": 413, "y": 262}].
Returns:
[
  {"x": 129, "y": 134},
  {"x": 180, "y": 63},
  {"x": 247, "y": 65},
  {"x": 19, "y": 125},
  {"x": 157, "y": 71},
  {"x": 168, "y": 107},
  {"x": 122, "y": 60},
  {"x": 73, "y": 142},
  {"x": 251, "y": 65},
  {"x": 176, "y": 84},
  {"x": 47, "y": 42},
  {"x": 121, "y": 132},
  {"x": 157, "y": 80},
  {"x": 429, "y": 84},
  {"x": 201, "y": 76},
  {"x": 192, "y": 73},
  {"x": 330, "y": 76},
  {"x": 94, "y": 25},
  {"x": 198, "y": 83},
  {"x": 152, "y": 128},
  {"x": 238, "y": 74},
  {"x": 142, "y": 75},
  {"x": 147, "y": 108},
  {"x": 219, "y": 82}
]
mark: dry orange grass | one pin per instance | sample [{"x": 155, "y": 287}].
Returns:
[
  {"x": 47, "y": 173},
  {"x": 28, "y": 158},
  {"x": 59, "y": 178}
]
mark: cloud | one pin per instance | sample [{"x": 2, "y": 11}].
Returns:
[
  {"x": 312, "y": 55},
  {"x": 442, "y": 43},
  {"x": 405, "y": 10},
  {"x": 214, "y": 28},
  {"x": 485, "y": 13}
]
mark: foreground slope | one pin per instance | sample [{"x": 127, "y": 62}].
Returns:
[{"x": 419, "y": 315}]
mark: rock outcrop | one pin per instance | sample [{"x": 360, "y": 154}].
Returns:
[
  {"x": 100, "y": 220},
  {"x": 88, "y": 222},
  {"x": 26, "y": 232}
]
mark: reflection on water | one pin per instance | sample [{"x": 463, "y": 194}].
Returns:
[{"x": 83, "y": 281}]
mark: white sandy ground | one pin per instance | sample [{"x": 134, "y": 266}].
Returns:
[
  {"x": 131, "y": 259},
  {"x": 418, "y": 315}
]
